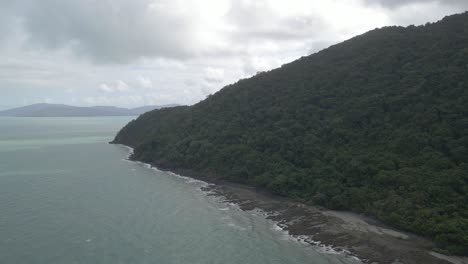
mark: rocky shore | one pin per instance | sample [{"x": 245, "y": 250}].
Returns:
[
  {"x": 350, "y": 233},
  {"x": 347, "y": 232}
]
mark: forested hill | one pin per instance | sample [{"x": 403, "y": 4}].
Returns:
[{"x": 377, "y": 124}]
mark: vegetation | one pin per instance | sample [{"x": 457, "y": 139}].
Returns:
[{"x": 377, "y": 124}]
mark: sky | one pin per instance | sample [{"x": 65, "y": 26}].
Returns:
[{"x": 131, "y": 53}]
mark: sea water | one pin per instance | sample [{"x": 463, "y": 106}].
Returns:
[{"x": 67, "y": 196}]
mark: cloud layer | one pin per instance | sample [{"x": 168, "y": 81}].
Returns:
[
  {"x": 173, "y": 51},
  {"x": 108, "y": 31},
  {"x": 400, "y": 3}
]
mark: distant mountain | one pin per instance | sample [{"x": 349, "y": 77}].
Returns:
[
  {"x": 377, "y": 124},
  {"x": 61, "y": 110}
]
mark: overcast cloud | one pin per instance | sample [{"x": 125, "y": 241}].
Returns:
[
  {"x": 402, "y": 3},
  {"x": 137, "y": 52}
]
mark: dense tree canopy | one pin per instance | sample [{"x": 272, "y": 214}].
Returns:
[{"x": 377, "y": 124}]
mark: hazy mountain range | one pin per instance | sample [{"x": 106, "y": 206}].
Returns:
[{"x": 61, "y": 110}]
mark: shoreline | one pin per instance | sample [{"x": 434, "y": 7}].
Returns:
[{"x": 337, "y": 232}]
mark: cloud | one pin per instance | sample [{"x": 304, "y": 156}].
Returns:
[
  {"x": 123, "y": 31},
  {"x": 190, "y": 83},
  {"x": 419, "y": 12},
  {"x": 207, "y": 90},
  {"x": 253, "y": 65},
  {"x": 116, "y": 100},
  {"x": 117, "y": 86},
  {"x": 116, "y": 31},
  {"x": 401, "y": 3},
  {"x": 14, "y": 69},
  {"x": 7, "y": 22},
  {"x": 105, "y": 88},
  {"x": 267, "y": 20},
  {"x": 174, "y": 51},
  {"x": 144, "y": 82},
  {"x": 48, "y": 100},
  {"x": 214, "y": 75}
]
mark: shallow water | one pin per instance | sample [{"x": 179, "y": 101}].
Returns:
[{"x": 66, "y": 196}]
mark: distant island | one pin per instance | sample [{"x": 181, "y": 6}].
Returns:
[
  {"x": 377, "y": 125},
  {"x": 61, "y": 110}
]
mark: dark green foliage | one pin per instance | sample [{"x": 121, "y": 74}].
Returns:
[{"x": 377, "y": 124}]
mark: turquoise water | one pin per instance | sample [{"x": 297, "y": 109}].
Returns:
[{"x": 66, "y": 196}]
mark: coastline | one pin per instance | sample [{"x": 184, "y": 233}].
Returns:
[{"x": 335, "y": 232}]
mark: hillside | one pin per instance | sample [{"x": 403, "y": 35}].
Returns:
[
  {"x": 60, "y": 110},
  {"x": 377, "y": 124}
]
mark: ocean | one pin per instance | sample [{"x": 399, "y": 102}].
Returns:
[{"x": 67, "y": 196}]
